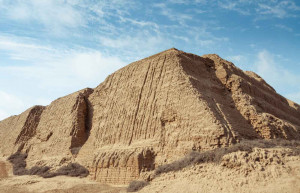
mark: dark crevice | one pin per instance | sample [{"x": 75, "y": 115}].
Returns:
[
  {"x": 83, "y": 123},
  {"x": 88, "y": 116},
  {"x": 31, "y": 124}
]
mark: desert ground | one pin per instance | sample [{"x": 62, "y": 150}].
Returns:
[
  {"x": 258, "y": 166},
  {"x": 35, "y": 184}
]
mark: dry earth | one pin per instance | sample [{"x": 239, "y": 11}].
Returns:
[
  {"x": 262, "y": 171},
  {"x": 10, "y": 183}
]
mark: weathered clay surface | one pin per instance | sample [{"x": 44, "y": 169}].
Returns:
[
  {"x": 15, "y": 131},
  {"x": 122, "y": 166},
  {"x": 151, "y": 112},
  {"x": 263, "y": 170},
  {"x": 61, "y": 132},
  {"x": 270, "y": 114}
]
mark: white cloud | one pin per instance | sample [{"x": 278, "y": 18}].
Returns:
[
  {"x": 265, "y": 8},
  {"x": 234, "y": 6},
  {"x": 284, "y": 27},
  {"x": 267, "y": 67},
  {"x": 134, "y": 43},
  {"x": 139, "y": 23},
  {"x": 71, "y": 70},
  {"x": 236, "y": 58},
  {"x": 24, "y": 49},
  {"x": 3, "y": 115},
  {"x": 187, "y": 1},
  {"x": 252, "y": 45},
  {"x": 45, "y": 73},
  {"x": 271, "y": 10},
  {"x": 276, "y": 75},
  {"x": 186, "y": 39},
  {"x": 179, "y": 1},
  {"x": 89, "y": 66},
  {"x": 277, "y": 9},
  {"x": 294, "y": 97},
  {"x": 43, "y": 101},
  {"x": 138, "y": 46},
  {"x": 181, "y": 18},
  {"x": 54, "y": 15},
  {"x": 10, "y": 104},
  {"x": 241, "y": 61}
]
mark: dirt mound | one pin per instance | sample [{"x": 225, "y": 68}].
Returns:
[
  {"x": 266, "y": 168},
  {"x": 151, "y": 113}
]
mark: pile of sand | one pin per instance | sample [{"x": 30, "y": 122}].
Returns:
[{"x": 272, "y": 169}]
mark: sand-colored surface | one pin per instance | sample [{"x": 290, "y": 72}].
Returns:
[
  {"x": 275, "y": 172},
  {"x": 148, "y": 114},
  {"x": 3, "y": 170},
  {"x": 263, "y": 170},
  {"x": 61, "y": 184}
]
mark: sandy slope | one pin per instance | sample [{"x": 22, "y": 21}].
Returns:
[
  {"x": 275, "y": 168},
  {"x": 35, "y": 184},
  {"x": 264, "y": 170}
]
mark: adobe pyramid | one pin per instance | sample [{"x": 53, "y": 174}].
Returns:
[{"x": 151, "y": 112}]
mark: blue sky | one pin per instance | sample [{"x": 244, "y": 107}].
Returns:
[{"x": 50, "y": 48}]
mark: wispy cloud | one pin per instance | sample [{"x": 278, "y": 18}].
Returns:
[
  {"x": 238, "y": 6},
  {"x": 54, "y": 16},
  {"x": 279, "y": 77},
  {"x": 59, "y": 67},
  {"x": 279, "y": 9},
  {"x": 140, "y": 22},
  {"x": 10, "y": 104},
  {"x": 294, "y": 96},
  {"x": 236, "y": 58},
  {"x": 165, "y": 10},
  {"x": 269, "y": 67},
  {"x": 187, "y": 1},
  {"x": 24, "y": 49},
  {"x": 44, "y": 73},
  {"x": 136, "y": 47},
  {"x": 265, "y": 8},
  {"x": 273, "y": 72},
  {"x": 284, "y": 27}
]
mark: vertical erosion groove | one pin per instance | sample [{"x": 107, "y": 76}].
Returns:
[
  {"x": 82, "y": 121},
  {"x": 139, "y": 103},
  {"x": 31, "y": 123},
  {"x": 88, "y": 116}
]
